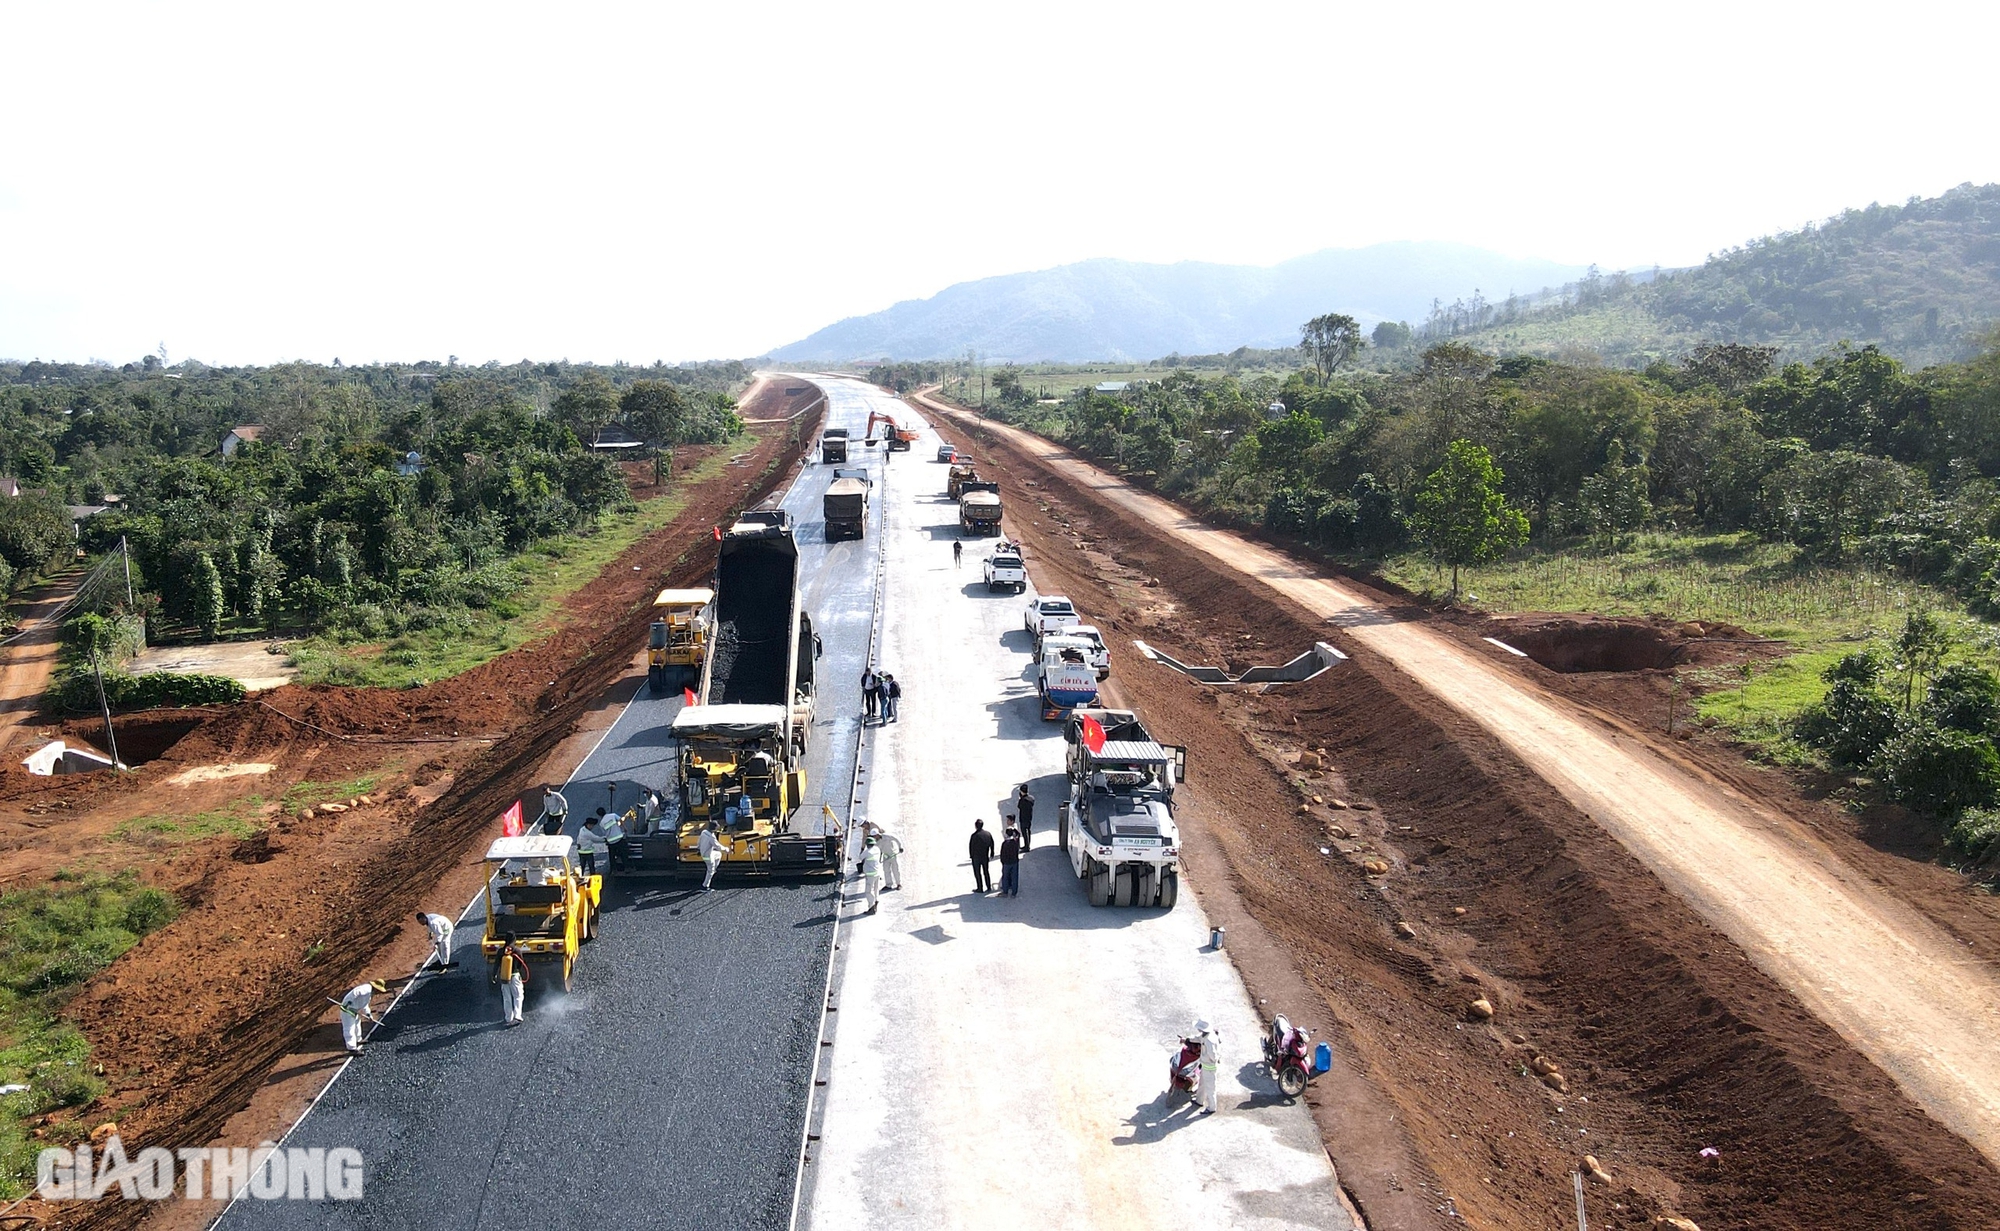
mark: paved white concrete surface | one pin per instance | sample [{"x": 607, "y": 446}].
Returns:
[{"x": 1002, "y": 1061}]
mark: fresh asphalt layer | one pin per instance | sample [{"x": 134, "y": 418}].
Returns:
[
  {"x": 670, "y": 1087},
  {"x": 1002, "y": 1062}
]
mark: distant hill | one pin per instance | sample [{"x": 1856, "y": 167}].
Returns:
[
  {"x": 1921, "y": 279},
  {"x": 1128, "y": 310}
]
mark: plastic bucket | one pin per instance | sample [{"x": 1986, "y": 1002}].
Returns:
[{"x": 1322, "y": 1058}]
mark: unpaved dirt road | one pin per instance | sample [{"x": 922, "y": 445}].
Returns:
[{"x": 1890, "y": 982}]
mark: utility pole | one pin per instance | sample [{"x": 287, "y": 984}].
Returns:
[{"x": 104, "y": 707}]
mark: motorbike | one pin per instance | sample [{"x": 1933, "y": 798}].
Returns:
[
  {"x": 1183, "y": 1067},
  {"x": 1285, "y": 1056}
]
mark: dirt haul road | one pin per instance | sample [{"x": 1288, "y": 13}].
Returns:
[{"x": 1889, "y": 981}]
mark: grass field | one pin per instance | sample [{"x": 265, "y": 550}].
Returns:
[
  {"x": 551, "y": 572},
  {"x": 1767, "y": 589}
]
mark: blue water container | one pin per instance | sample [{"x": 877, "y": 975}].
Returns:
[{"x": 1322, "y": 1057}]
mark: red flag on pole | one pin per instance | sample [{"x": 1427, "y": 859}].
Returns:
[
  {"x": 510, "y": 821},
  {"x": 1093, "y": 734},
  {"x": 687, "y": 697}
]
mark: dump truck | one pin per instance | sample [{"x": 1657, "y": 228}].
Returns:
[
  {"x": 846, "y": 505},
  {"x": 740, "y": 750},
  {"x": 979, "y": 507},
  {"x": 833, "y": 445},
  {"x": 961, "y": 474},
  {"x": 1117, "y": 826},
  {"x": 539, "y": 900},
  {"x": 677, "y": 642}
]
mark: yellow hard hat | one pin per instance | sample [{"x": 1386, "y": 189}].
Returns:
[{"x": 379, "y": 986}]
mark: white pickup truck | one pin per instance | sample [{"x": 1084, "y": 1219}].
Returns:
[
  {"x": 1005, "y": 570},
  {"x": 1045, "y": 613},
  {"x": 1099, "y": 654}
]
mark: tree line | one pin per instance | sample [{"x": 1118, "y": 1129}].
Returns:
[{"x": 378, "y": 498}]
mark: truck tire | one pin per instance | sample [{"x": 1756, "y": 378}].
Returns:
[
  {"x": 1170, "y": 889},
  {"x": 1100, "y": 886},
  {"x": 1123, "y": 881},
  {"x": 1062, "y": 830}
]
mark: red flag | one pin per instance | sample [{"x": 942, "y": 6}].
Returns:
[
  {"x": 510, "y": 821},
  {"x": 1093, "y": 734},
  {"x": 687, "y": 697},
  {"x": 717, "y": 532}
]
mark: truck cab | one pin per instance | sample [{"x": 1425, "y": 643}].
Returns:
[
  {"x": 1006, "y": 570},
  {"x": 1046, "y": 613},
  {"x": 1066, "y": 679},
  {"x": 833, "y": 445}
]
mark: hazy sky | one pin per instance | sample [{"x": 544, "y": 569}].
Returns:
[{"x": 678, "y": 181}]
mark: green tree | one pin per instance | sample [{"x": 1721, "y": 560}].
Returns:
[
  {"x": 588, "y": 405},
  {"x": 655, "y": 409},
  {"x": 209, "y": 604},
  {"x": 1614, "y": 499},
  {"x": 1332, "y": 340},
  {"x": 1391, "y": 335},
  {"x": 1462, "y": 515},
  {"x": 1920, "y": 649}
]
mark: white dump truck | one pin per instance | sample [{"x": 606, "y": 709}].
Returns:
[{"x": 1117, "y": 825}]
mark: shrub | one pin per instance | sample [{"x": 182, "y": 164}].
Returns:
[
  {"x": 76, "y": 693},
  {"x": 1975, "y": 836},
  {"x": 1965, "y": 698},
  {"x": 1851, "y": 723},
  {"x": 1938, "y": 770}
]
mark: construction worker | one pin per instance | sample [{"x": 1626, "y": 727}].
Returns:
[
  {"x": 593, "y": 842},
  {"x": 555, "y": 812},
  {"x": 870, "y": 692},
  {"x": 440, "y": 929},
  {"x": 1211, "y": 1060},
  {"x": 513, "y": 984},
  {"x": 980, "y": 848},
  {"x": 711, "y": 855},
  {"x": 892, "y": 849},
  {"x": 870, "y": 868},
  {"x": 892, "y": 696},
  {"x": 354, "y": 1010},
  {"x": 957, "y": 550}
]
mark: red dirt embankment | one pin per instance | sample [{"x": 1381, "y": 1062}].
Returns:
[
  {"x": 191, "y": 1021},
  {"x": 1489, "y": 884}
]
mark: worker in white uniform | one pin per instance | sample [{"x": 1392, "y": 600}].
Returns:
[
  {"x": 513, "y": 974},
  {"x": 440, "y": 929},
  {"x": 870, "y": 868},
  {"x": 892, "y": 850},
  {"x": 1211, "y": 1060},
  {"x": 354, "y": 1010},
  {"x": 593, "y": 843},
  {"x": 711, "y": 855}
]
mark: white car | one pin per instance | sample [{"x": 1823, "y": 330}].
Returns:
[
  {"x": 1100, "y": 654},
  {"x": 1047, "y": 612}
]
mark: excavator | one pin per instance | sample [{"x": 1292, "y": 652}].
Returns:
[{"x": 898, "y": 437}]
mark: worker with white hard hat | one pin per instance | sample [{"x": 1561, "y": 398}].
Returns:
[
  {"x": 891, "y": 848},
  {"x": 870, "y": 868},
  {"x": 440, "y": 929},
  {"x": 354, "y": 1010},
  {"x": 1211, "y": 1060},
  {"x": 593, "y": 843}
]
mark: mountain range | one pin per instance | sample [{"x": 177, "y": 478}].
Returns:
[{"x": 1134, "y": 311}]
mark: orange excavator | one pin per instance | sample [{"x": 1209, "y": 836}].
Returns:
[{"x": 898, "y": 437}]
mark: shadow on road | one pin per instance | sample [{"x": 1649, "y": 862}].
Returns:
[{"x": 1151, "y": 1121}]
